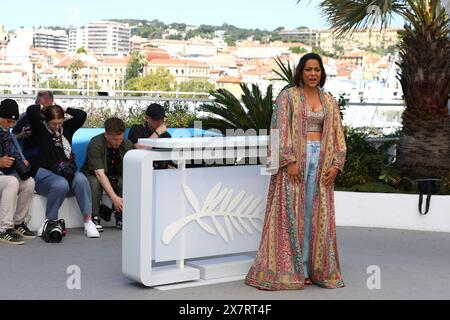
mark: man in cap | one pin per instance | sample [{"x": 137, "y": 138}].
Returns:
[
  {"x": 154, "y": 127},
  {"x": 14, "y": 189}
]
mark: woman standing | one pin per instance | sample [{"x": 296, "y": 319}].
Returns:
[
  {"x": 298, "y": 245},
  {"x": 57, "y": 175}
]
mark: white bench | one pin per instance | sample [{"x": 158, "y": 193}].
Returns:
[{"x": 69, "y": 211}]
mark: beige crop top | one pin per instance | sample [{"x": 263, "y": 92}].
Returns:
[{"x": 315, "y": 121}]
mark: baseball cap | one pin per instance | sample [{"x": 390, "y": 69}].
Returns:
[{"x": 156, "y": 112}]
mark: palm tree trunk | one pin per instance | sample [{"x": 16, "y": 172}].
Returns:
[{"x": 424, "y": 147}]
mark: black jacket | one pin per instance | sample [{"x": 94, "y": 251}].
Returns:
[{"x": 49, "y": 154}]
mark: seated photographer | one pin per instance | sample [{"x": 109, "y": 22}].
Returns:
[
  {"x": 154, "y": 127},
  {"x": 16, "y": 184},
  {"x": 23, "y": 132},
  {"x": 104, "y": 170},
  {"x": 57, "y": 176}
]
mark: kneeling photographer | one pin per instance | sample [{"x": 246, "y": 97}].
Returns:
[
  {"x": 57, "y": 176},
  {"x": 16, "y": 184}
]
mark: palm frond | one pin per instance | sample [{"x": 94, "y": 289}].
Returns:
[
  {"x": 234, "y": 111},
  {"x": 346, "y": 16},
  {"x": 234, "y": 119},
  {"x": 227, "y": 112},
  {"x": 286, "y": 73},
  {"x": 426, "y": 13},
  {"x": 259, "y": 107},
  {"x": 219, "y": 124}
]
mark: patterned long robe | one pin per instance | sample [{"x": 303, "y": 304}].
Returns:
[{"x": 279, "y": 263}]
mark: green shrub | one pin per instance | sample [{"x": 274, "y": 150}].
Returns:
[
  {"x": 365, "y": 163},
  {"x": 445, "y": 186},
  {"x": 178, "y": 115}
]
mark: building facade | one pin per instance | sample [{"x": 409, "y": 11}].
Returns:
[
  {"x": 111, "y": 73},
  {"x": 306, "y": 36},
  {"x": 108, "y": 38},
  {"x": 78, "y": 38},
  {"x": 84, "y": 77},
  {"x": 361, "y": 39},
  {"x": 51, "y": 39},
  {"x": 182, "y": 70},
  {"x": 232, "y": 84}
]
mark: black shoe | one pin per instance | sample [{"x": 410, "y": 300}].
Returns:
[
  {"x": 118, "y": 217},
  {"x": 97, "y": 223},
  {"x": 23, "y": 231},
  {"x": 10, "y": 237},
  {"x": 105, "y": 212}
]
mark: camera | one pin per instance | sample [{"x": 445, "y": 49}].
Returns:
[
  {"x": 105, "y": 212},
  {"x": 23, "y": 171},
  {"x": 54, "y": 231},
  {"x": 66, "y": 170}
]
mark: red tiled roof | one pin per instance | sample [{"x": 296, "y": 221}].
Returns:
[
  {"x": 149, "y": 48},
  {"x": 44, "y": 51},
  {"x": 343, "y": 72},
  {"x": 373, "y": 60},
  {"x": 229, "y": 79},
  {"x": 115, "y": 60},
  {"x": 67, "y": 61},
  {"x": 177, "y": 62},
  {"x": 156, "y": 54},
  {"x": 258, "y": 71}
]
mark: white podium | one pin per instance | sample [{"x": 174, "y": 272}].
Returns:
[{"x": 192, "y": 224}]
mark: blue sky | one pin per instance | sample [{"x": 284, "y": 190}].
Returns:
[{"x": 263, "y": 14}]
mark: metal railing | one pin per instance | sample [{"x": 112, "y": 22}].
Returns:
[
  {"x": 90, "y": 93},
  {"x": 385, "y": 116}
]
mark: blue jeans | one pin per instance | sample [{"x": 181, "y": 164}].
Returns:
[
  {"x": 312, "y": 163},
  {"x": 56, "y": 189}
]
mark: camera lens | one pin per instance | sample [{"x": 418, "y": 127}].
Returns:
[{"x": 56, "y": 234}]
